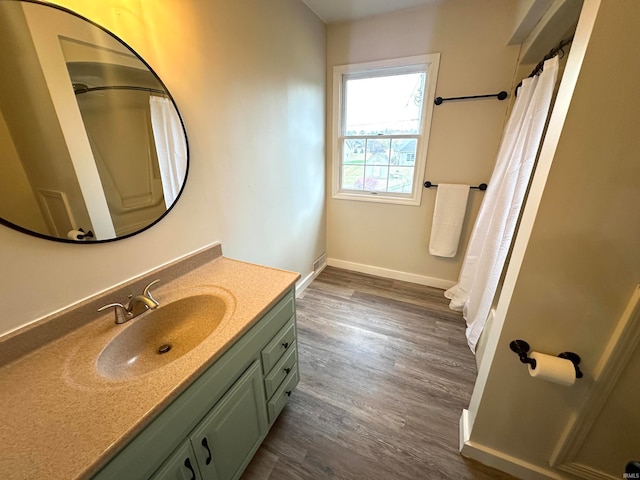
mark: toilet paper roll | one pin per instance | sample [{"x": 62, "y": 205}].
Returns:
[
  {"x": 76, "y": 235},
  {"x": 553, "y": 369}
]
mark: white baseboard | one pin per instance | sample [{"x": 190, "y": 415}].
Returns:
[
  {"x": 464, "y": 429},
  {"x": 500, "y": 460},
  {"x": 587, "y": 472},
  {"x": 306, "y": 281},
  {"x": 393, "y": 274}
]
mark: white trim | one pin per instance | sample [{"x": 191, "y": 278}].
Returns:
[
  {"x": 464, "y": 432},
  {"x": 508, "y": 464},
  {"x": 430, "y": 63},
  {"x": 377, "y": 197},
  {"x": 481, "y": 347},
  {"x": 47, "y": 199},
  {"x": 303, "y": 283},
  {"x": 614, "y": 359},
  {"x": 499, "y": 460},
  {"x": 393, "y": 274},
  {"x": 586, "y": 472}
]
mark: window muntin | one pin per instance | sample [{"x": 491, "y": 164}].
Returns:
[
  {"x": 378, "y": 164},
  {"x": 380, "y": 126}
]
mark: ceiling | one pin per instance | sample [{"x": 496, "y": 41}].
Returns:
[{"x": 340, "y": 10}]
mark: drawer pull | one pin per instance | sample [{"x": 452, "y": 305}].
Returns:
[
  {"x": 187, "y": 463},
  {"x": 205, "y": 444},
  {"x": 288, "y": 392},
  {"x": 287, "y": 370},
  {"x": 285, "y": 345}
]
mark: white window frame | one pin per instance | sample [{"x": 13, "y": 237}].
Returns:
[{"x": 427, "y": 63}]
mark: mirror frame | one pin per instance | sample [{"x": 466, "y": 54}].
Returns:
[{"x": 21, "y": 229}]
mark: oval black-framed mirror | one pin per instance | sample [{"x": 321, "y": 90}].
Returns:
[{"x": 92, "y": 146}]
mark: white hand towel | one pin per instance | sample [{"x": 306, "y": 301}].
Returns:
[{"x": 448, "y": 216}]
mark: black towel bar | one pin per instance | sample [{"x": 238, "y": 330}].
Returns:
[
  {"x": 482, "y": 186},
  {"x": 500, "y": 96}
]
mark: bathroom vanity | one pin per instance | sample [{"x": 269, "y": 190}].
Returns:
[
  {"x": 181, "y": 382},
  {"x": 215, "y": 426},
  {"x": 71, "y": 408}
]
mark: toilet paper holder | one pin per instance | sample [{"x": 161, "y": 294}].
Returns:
[{"x": 522, "y": 348}]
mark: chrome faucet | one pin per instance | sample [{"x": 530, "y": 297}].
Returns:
[{"x": 137, "y": 305}]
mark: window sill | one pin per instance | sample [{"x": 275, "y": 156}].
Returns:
[{"x": 379, "y": 198}]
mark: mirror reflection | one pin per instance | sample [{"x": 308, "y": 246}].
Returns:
[{"x": 92, "y": 147}]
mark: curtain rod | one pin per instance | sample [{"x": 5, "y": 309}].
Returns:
[
  {"x": 552, "y": 53},
  {"x": 79, "y": 88}
]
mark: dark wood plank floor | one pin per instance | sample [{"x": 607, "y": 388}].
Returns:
[{"x": 384, "y": 375}]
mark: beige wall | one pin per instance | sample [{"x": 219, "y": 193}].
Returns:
[
  {"x": 472, "y": 38},
  {"x": 16, "y": 189},
  {"x": 248, "y": 78},
  {"x": 576, "y": 260}
]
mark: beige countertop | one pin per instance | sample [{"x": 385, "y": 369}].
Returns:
[{"x": 60, "y": 419}]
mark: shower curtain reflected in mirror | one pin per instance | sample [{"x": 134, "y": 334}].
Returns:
[
  {"x": 171, "y": 146},
  {"x": 496, "y": 222}
]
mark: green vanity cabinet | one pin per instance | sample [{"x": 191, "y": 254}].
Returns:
[
  {"x": 279, "y": 360},
  {"x": 278, "y": 346},
  {"x": 227, "y": 438},
  {"x": 212, "y": 430},
  {"x": 278, "y": 373},
  {"x": 180, "y": 466},
  {"x": 279, "y": 399}
]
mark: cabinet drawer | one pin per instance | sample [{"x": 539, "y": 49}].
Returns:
[
  {"x": 276, "y": 348},
  {"x": 282, "y": 312},
  {"x": 282, "y": 369},
  {"x": 281, "y": 396}
]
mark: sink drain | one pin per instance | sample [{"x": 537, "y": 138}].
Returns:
[{"x": 164, "y": 348}]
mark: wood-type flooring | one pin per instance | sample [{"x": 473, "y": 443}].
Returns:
[{"x": 384, "y": 375}]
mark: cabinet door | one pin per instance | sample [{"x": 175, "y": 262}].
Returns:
[
  {"x": 229, "y": 435},
  {"x": 181, "y": 465}
]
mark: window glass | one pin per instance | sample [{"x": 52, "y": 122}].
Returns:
[{"x": 384, "y": 105}]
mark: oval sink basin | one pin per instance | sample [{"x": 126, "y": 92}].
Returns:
[{"x": 160, "y": 336}]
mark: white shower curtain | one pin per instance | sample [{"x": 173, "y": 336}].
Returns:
[
  {"x": 495, "y": 225},
  {"x": 171, "y": 146}
]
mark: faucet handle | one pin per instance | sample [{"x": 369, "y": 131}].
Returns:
[
  {"x": 120, "y": 311},
  {"x": 147, "y": 293}
]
